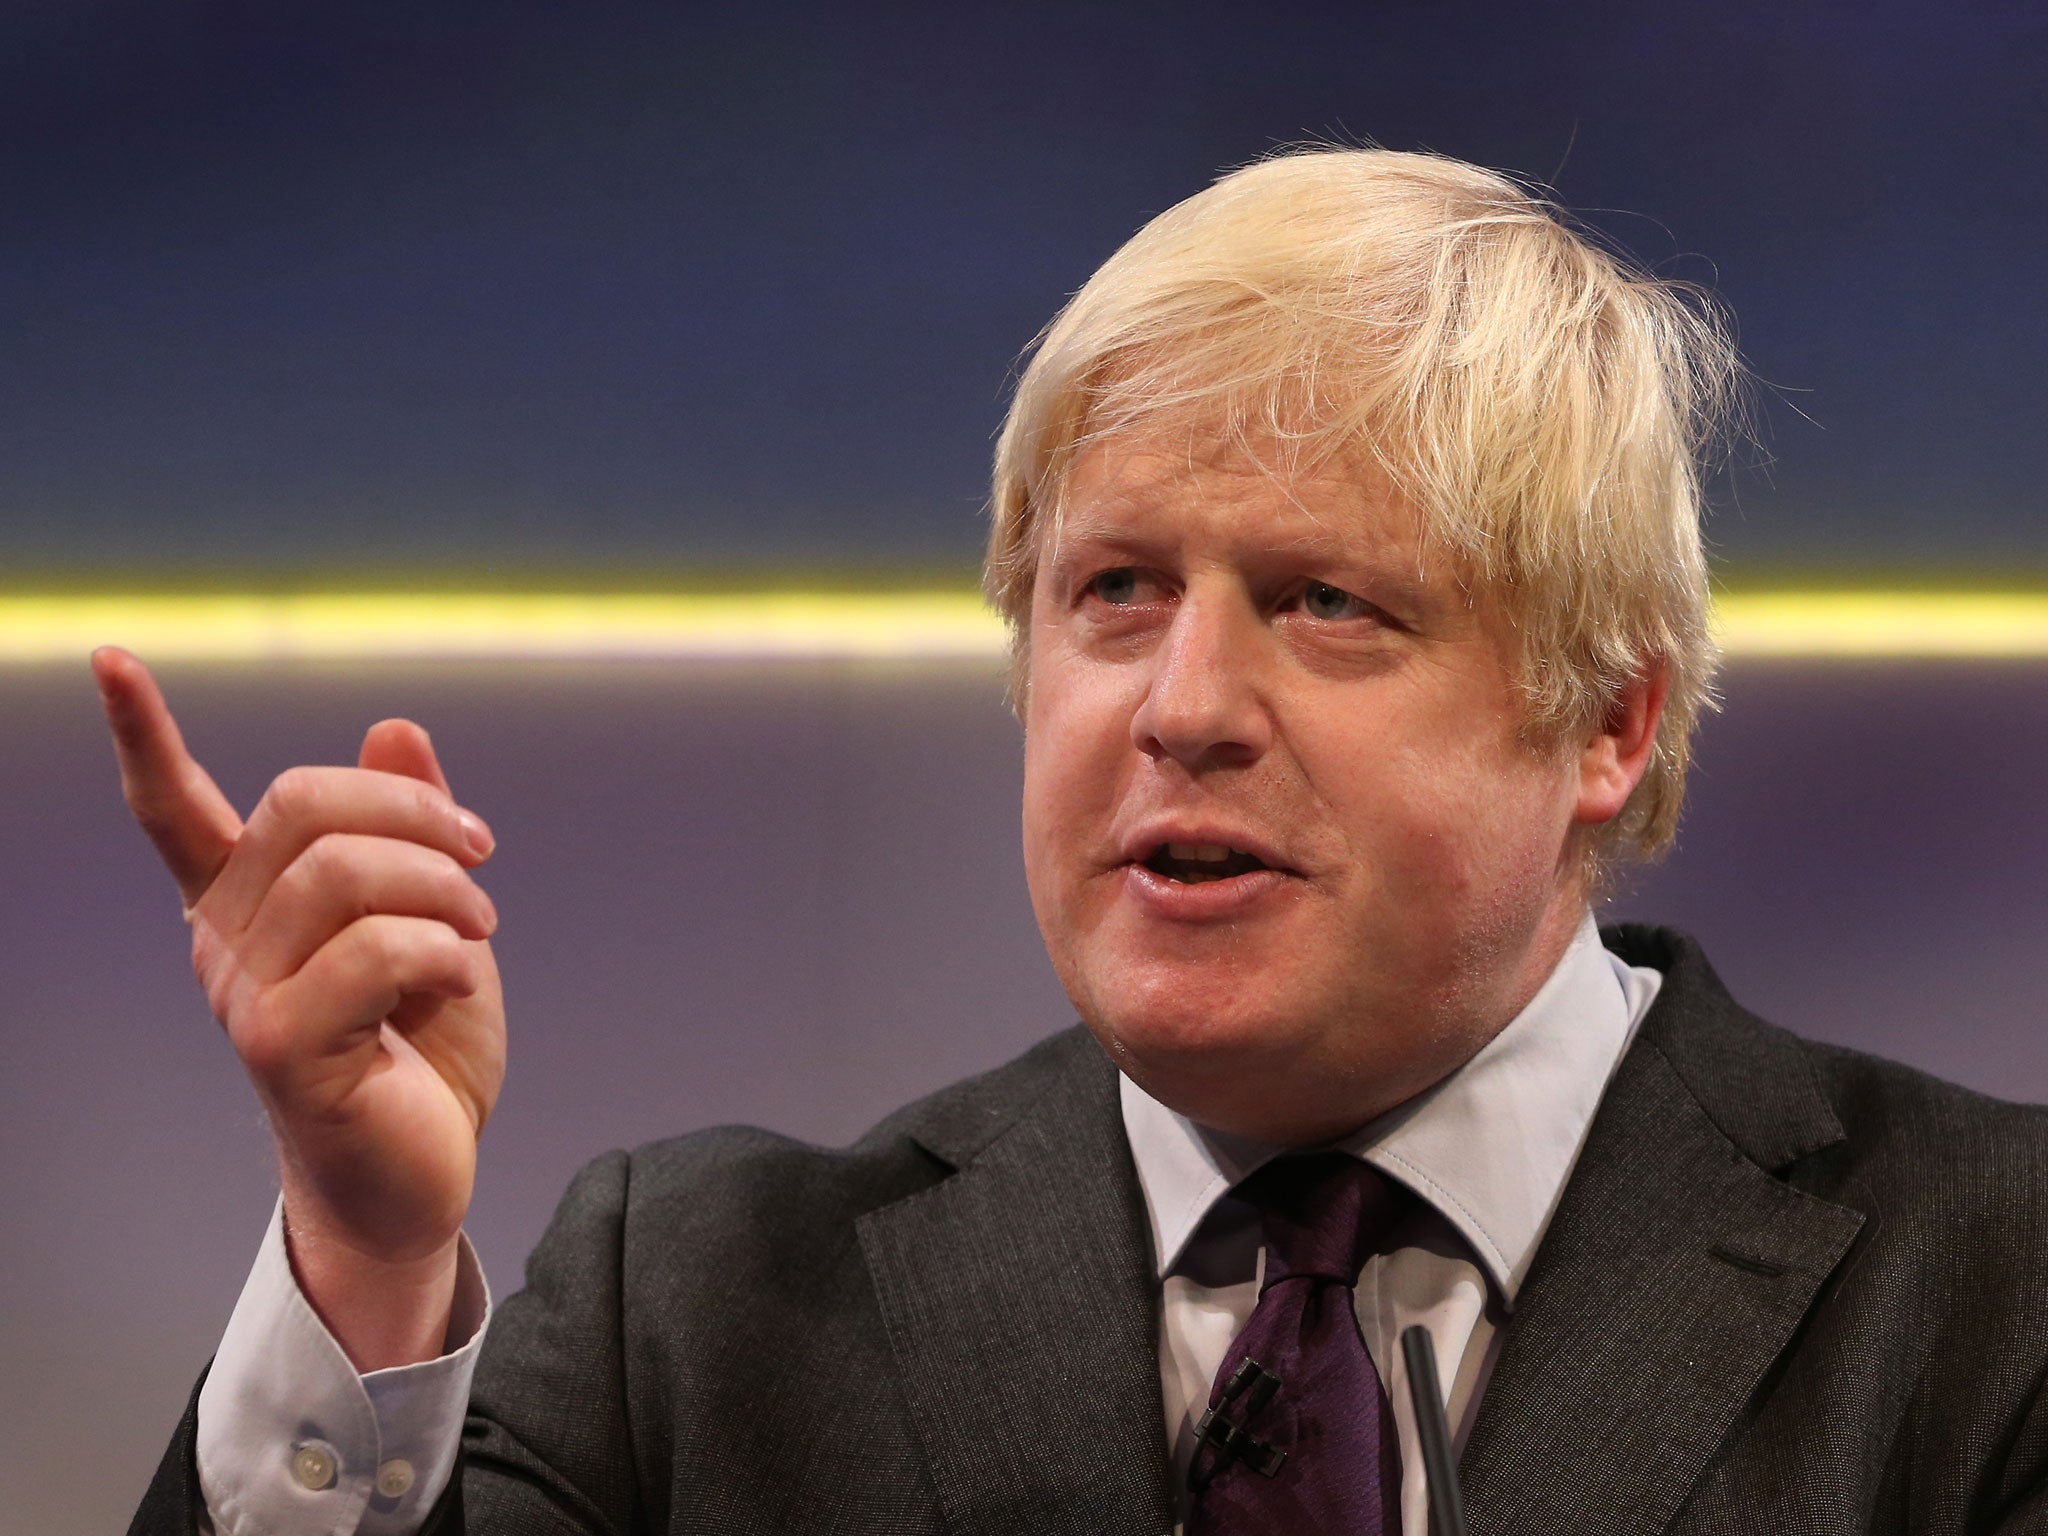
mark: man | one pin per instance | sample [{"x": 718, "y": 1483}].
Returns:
[{"x": 1347, "y": 521}]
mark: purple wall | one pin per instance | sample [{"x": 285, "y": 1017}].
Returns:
[{"x": 791, "y": 895}]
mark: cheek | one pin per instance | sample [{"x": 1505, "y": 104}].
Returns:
[
  {"x": 1502, "y": 825},
  {"x": 1043, "y": 835},
  {"x": 1075, "y": 746},
  {"x": 1449, "y": 818}
]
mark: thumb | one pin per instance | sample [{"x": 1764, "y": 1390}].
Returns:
[
  {"x": 180, "y": 807},
  {"x": 401, "y": 747}
]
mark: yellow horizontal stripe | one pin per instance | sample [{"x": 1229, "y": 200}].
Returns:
[
  {"x": 1900, "y": 624},
  {"x": 932, "y": 624},
  {"x": 380, "y": 626}
]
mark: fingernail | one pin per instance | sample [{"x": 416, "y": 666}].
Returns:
[{"x": 476, "y": 834}]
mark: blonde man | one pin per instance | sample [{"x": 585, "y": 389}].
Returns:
[{"x": 1348, "y": 525}]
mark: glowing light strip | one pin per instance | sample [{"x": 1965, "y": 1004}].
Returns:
[
  {"x": 1896, "y": 624},
  {"x": 798, "y": 625},
  {"x": 384, "y": 626}
]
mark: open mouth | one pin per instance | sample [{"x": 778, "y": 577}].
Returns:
[{"x": 1195, "y": 863}]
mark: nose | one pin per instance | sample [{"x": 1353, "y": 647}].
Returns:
[{"x": 1204, "y": 705}]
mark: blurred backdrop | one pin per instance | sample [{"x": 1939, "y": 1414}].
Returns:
[
  {"x": 332, "y": 296},
  {"x": 493, "y": 283}
]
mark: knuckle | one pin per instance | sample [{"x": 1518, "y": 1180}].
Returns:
[
  {"x": 231, "y": 992},
  {"x": 373, "y": 943},
  {"x": 328, "y": 864},
  {"x": 435, "y": 954},
  {"x": 391, "y": 946},
  {"x": 297, "y": 794},
  {"x": 409, "y": 954},
  {"x": 293, "y": 891}
]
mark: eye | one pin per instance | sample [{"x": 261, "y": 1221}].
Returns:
[
  {"x": 1320, "y": 600},
  {"x": 1118, "y": 587}
]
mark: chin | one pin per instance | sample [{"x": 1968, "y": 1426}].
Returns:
[
  {"x": 1230, "y": 1083},
  {"x": 1238, "y": 1054},
  {"x": 1182, "y": 1036}
]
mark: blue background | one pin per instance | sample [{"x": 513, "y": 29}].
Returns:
[{"x": 484, "y": 288}]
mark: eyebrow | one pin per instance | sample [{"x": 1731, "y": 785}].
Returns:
[{"x": 1385, "y": 579}]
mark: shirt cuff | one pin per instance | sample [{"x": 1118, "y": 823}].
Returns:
[{"x": 293, "y": 1442}]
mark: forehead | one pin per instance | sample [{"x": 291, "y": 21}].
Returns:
[{"x": 1240, "y": 493}]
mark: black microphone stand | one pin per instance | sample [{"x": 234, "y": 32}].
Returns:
[{"x": 1439, "y": 1466}]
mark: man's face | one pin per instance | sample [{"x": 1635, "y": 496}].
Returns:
[{"x": 1292, "y": 856}]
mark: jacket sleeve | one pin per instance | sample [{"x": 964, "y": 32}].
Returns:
[
  {"x": 548, "y": 1444},
  {"x": 171, "y": 1505}
]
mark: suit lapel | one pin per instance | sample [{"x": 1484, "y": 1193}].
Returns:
[
  {"x": 1676, "y": 1270},
  {"x": 1021, "y": 1304}
]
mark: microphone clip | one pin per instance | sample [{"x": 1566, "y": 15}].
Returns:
[{"x": 1250, "y": 1388}]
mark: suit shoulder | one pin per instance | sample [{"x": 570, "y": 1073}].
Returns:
[
  {"x": 736, "y": 1174},
  {"x": 1921, "y": 1155},
  {"x": 1897, "y": 1111},
  {"x": 1756, "y": 1079}
]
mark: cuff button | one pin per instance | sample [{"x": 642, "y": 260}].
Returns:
[
  {"x": 313, "y": 1466},
  {"x": 394, "y": 1478}
]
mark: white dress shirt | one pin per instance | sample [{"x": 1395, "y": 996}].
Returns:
[
  {"x": 1488, "y": 1150},
  {"x": 293, "y": 1442}
]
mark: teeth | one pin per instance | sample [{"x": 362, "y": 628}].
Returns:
[{"x": 1198, "y": 853}]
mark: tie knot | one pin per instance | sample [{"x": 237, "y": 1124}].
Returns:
[{"x": 1324, "y": 1214}]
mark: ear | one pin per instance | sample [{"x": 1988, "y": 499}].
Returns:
[{"x": 1613, "y": 762}]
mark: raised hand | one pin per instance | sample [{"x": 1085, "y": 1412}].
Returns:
[{"x": 341, "y": 941}]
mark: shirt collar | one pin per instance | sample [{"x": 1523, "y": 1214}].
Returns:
[{"x": 1489, "y": 1147}]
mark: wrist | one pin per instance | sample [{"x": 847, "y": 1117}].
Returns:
[{"x": 382, "y": 1312}]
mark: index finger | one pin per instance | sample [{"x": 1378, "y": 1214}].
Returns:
[{"x": 176, "y": 801}]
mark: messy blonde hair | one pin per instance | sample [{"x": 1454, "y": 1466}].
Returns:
[{"x": 1542, "y": 403}]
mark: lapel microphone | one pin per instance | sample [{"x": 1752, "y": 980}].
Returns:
[
  {"x": 1439, "y": 1466},
  {"x": 1250, "y": 1388}
]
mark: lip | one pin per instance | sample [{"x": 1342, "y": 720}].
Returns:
[
  {"x": 1138, "y": 846},
  {"x": 1211, "y": 900}
]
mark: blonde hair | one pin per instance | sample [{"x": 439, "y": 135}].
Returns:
[{"x": 1542, "y": 403}]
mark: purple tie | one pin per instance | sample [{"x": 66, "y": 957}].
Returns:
[{"x": 1299, "y": 1436}]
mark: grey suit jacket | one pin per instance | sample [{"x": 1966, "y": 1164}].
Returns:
[{"x": 1788, "y": 1289}]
